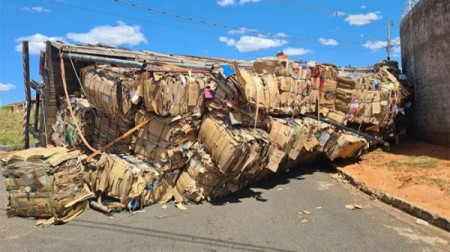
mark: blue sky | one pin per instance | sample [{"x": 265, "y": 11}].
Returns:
[{"x": 342, "y": 32}]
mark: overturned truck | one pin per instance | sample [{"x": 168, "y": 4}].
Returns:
[{"x": 127, "y": 129}]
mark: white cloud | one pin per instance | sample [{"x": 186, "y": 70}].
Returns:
[
  {"x": 296, "y": 51},
  {"x": 328, "y": 42},
  {"x": 36, "y": 9},
  {"x": 225, "y": 3},
  {"x": 228, "y": 41},
  {"x": 252, "y": 43},
  {"x": 363, "y": 7},
  {"x": 280, "y": 35},
  {"x": 242, "y": 2},
  {"x": 6, "y": 87},
  {"x": 35, "y": 42},
  {"x": 242, "y": 30},
  {"x": 363, "y": 19},
  {"x": 375, "y": 45},
  {"x": 382, "y": 44},
  {"x": 339, "y": 14},
  {"x": 122, "y": 34}
]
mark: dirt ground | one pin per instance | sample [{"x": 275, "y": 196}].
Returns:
[{"x": 414, "y": 171}]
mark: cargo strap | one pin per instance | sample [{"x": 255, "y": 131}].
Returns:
[
  {"x": 126, "y": 134},
  {"x": 27, "y": 184},
  {"x": 16, "y": 203},
  {"x": 75, "y": 71},
  {"x": 69, "y": 105},
  {"x": 257, "y": 100},
  {"x": 48, "y": 194}
]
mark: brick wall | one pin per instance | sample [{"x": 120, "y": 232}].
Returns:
[{"x": 425, "y": 44}]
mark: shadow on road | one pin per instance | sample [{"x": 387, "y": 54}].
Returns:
[
  {"x": 171, "y": 236},
  {"x": 282, "y": 178}
]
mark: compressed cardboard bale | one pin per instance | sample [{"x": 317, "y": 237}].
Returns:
[
  {"x": 283, "y": 132},
  {"x": 241, "y": 154},
  {"x": 201, "y": 179},
  {"x": 64, "y": 132},
  {"x": 125, "y": 179},
  {"x": 279, "y": 66},
  {"x": 295, "y": 137},
  {"x": 165, "y": 142},
  {"x": 294, "y": 96},
  {"x": 261, "y": 91},
  {"x": 346, "y": 146},
  {"x": 107, "y": 129},
  {"x": 329, "y": 93},
  {"x": 112, "y": 90},
  {"x": 229, "y": 100},
  {"x": 348, "y": 82},
  {"x": 46, "y": 182},
  {"x": 170, "y": 94},
  {"x": 265, "y": 65},
  {"x": 336, "y": 116}
]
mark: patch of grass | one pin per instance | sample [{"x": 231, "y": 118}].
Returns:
[
  {"x": 415, "y": 162},
  {"x": 11, "y": 128}
]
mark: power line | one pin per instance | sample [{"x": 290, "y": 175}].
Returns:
[
  {"x": 221, "y": 26},
  {"x": 174, "y": 15},
  {"x": 192, "y": 20},
  {"x": 121, "y": 16}
]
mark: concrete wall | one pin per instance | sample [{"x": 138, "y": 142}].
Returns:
[{"x": 425, "y": 44}]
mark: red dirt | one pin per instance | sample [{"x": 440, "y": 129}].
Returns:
[{"x": 426, "y": 187}]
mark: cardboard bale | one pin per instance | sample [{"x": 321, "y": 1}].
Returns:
[
  {"x": 107, "y": 129},
  {"x": 370, "y": 102},
  {"x": 265, "y": 65},
  {"x": 201, "y": 179},
  {"x": 294, "y": 95},
  {"x": 170, "y": 94},
  {"x": 130, "y": 181},
  {"x": 346, "y": 146},
  {"x": 229, "y": 99},
  {"x": 46, "y": 182},
  {"x": 165, "y": 142},
  {"x": 239, "y": 153},
  {"x": 112, "y": 90},
  {"x": 261, "y": 91}
]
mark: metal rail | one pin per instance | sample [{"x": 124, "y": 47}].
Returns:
[
  {"x": 367, "y": 136},
  {"x": 133, "y": 63}
]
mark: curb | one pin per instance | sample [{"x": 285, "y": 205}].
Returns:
[{"x": 405, "y": 206}]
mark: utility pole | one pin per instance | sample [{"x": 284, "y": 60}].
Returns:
[{"x": 388, "y": 31}]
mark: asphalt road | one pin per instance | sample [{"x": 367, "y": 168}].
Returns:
[{"x": 265, "y": 217}]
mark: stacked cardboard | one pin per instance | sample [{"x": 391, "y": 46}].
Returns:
[
  {"x": 165, "y": 142},
  {"x": 300, "y": 140},
  {"x": 207, "y": 133},
  {"x": 46, "y": 182},
  {"x": 201, "y": 179},
  {"x": 169, "y": 94},
  {"x": 239, "y": 153},
  {"x": 127, "y": 182},
  {"x": 229, "y": 99},
  {"x": 293, "y": 95},
  {"x": 108, "y": 128},
  {"x": 371, "y": 102},
  {"x": 112, "y": 90}
]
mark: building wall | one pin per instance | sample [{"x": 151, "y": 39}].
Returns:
[{"x": 425, "y": 44}]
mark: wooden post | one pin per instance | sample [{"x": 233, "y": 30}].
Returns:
[{"x": 26, "y": 82}]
